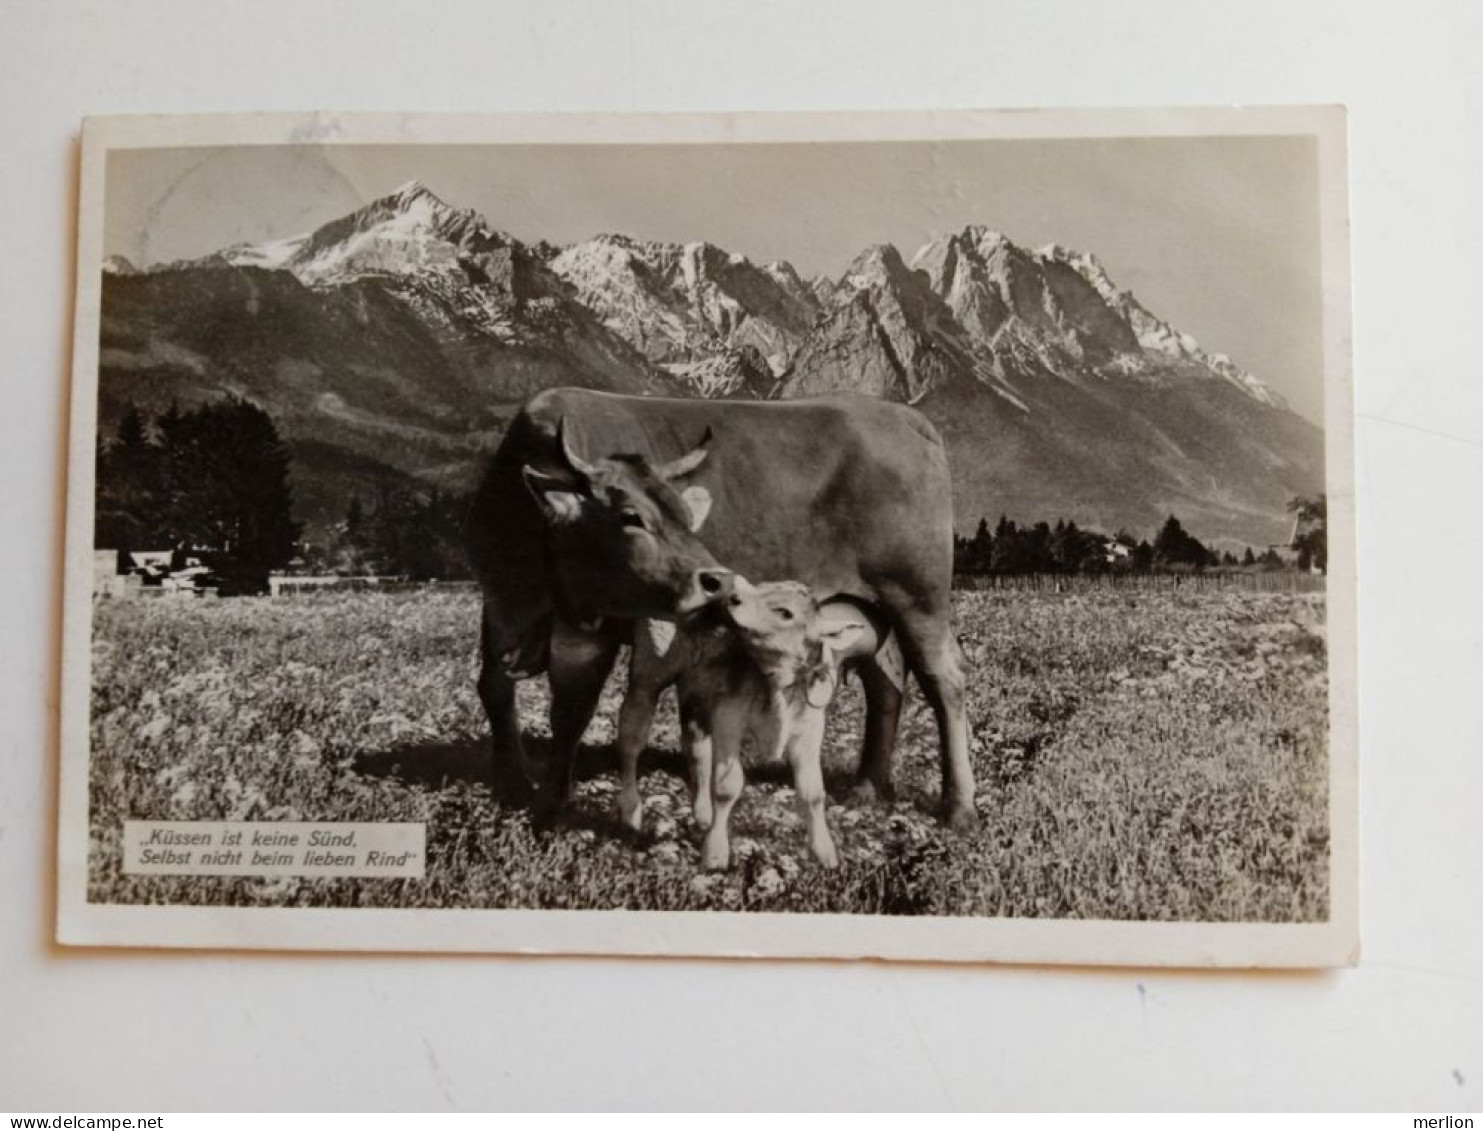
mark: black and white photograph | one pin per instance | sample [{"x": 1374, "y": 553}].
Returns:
[{"x": 838, "y": 535}]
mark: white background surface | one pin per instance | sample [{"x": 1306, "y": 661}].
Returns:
[{"x": 138, "y": 1031}]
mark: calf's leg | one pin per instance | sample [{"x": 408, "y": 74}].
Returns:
[{"x": 804, "y": 753}]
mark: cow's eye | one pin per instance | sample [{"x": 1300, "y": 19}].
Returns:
[
  {"x": 633, "y": 520},
  {"x": 786, "y": 614}
]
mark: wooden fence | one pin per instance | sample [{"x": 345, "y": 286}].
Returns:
[
  {"x": 1257, "y": 581},
  {"x": 302, "y": 585}
]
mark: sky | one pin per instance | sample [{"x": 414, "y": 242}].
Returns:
[{"x": 1217, "y": 235}]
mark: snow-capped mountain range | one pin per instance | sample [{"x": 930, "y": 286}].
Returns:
[
  {"x": 681, "y": 304},
  {"x": 410, "y": 232},
  {"x": 1058, "y": 310},
  {"x": 395, "y": 341}
]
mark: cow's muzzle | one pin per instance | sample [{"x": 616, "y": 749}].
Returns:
[
  {"x": 707, "y": 586},
  {"x": 714, "y": 583}
]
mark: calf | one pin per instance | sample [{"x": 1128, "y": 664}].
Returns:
[{"x": 759, "y": 669}]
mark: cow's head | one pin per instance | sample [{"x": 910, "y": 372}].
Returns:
[
  {"x": 798, "y": 644},
  {"x": 623, "y": 533}
]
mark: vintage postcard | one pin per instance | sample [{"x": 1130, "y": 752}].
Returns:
[{"x": 920, "y": 536}]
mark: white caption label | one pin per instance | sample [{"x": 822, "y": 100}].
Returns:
[{"x": 275, "y": 848}]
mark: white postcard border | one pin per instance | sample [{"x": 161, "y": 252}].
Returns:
[{"x": 716, "y": 934}]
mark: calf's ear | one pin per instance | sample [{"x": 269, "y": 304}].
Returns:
[
  {"x": 821, "y": 686},
  {"x": 559, "y": 500},
  {"x": 820, "y": 673},
  {"x": 698, "y": 502}
]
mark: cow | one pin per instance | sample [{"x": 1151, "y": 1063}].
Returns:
[
  {"x": 758, "y": 673},
  {"x": 590, "y": 517}
]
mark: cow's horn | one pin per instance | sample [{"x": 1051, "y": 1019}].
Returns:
[
  {"x": 574, "y": 461},
  {"x": 690, "y": 460}
]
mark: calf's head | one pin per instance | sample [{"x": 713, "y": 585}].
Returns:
[
  {"x": 798, "y": 644},
  {"x": 624, "y": 533}
]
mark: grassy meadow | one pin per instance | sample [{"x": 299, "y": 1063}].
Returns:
[{"x": 1139, "y": 755}]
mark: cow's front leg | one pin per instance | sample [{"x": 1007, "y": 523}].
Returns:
[
  {"x": 510, "y": 770},
  {"x": 727, "y": 779},
  {"x": 579, "y": 667},
  {"x": 804, "y": 753}
]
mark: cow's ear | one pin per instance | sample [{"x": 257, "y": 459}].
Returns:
[
  {"x": 844, "y": 631},
  {"x": 559, "y": 499},
  {"x": 690, "y": 460},
  {"x": 698, "y": 503},
  {"x": 661, "y": 635}
]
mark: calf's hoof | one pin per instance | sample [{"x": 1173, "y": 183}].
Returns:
[
  {"x": 826, "y": 855},
  {"x": 715, "y": 858},
  {"x": 959, "y": 817}
]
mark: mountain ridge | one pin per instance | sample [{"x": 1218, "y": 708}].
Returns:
[
  {"x": 406, "y": 333},
  {"x": 681, "y": 304}
]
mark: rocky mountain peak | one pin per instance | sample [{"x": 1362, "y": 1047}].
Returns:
[
  {"x": 408, "y": 231},
  {"x": 886, "y": 333},
  {"x": 1056, "y": 312},
  {"x": 684, "y": 304},
  {"x": 984, "y": 241},
  {"x": 824, "y": 289},
  {"x": 878, "y": 265},
  {"x": 411, "y": 192},
  {"x": 782, "y": 270},
  {"x": 976, "y": 254},
  {"x": 1155, "y": 336},
  {"x": 615, "y": 240},
  {"x": 1084, "y": 261}
]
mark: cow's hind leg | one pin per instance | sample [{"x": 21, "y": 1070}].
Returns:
[
  {"x": 936, "y": 660},
  {"x": 509, "y": 769},
  {"x": 882, "y": 714},
  {"x": 579, "y": 667}
]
